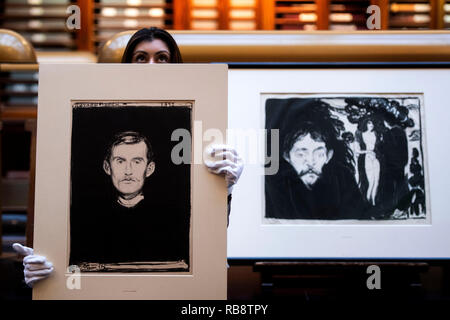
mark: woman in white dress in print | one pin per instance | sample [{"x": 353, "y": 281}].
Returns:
[{"x": 368, "y": 140}]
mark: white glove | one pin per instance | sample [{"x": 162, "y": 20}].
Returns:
[
  {"x": 227, "y": 161},
  {"x": 35, "y": 267}
]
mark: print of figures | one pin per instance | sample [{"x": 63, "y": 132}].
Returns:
[
  {"x": 417, "y": 185},
  {"x": 382, "y": 151},
  {"x": 347, "y": 158},
  {"x": 368, "y": 140}
]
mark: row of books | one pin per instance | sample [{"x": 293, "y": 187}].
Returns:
[
  {"x": 14, "y": 184},
  {"x": 356, "y": 20},
  {"x": 43, "y": 22},
  {"x": 447, "y": 15},
  {"x": 411, "y": 15},
  {"x": 113, "y": 16},
  {"x": 352, "y": 15},
  {"x": 213, "y": 15},
  {"x": 18, "y": 88}
]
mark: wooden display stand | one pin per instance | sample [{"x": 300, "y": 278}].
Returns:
[{"x": 336, "y": 279}]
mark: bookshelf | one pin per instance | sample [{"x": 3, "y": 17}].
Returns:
[
  {"x": 295, "y": 15},
  {"x": 351, "y": 15},
  {"x": 310, "y": 15},
  {"x": 243, "y": 15},
  {"x": 204, "y": 15},
  {"x": 112, "y": 16},
  {"x": 18, "y": 112},
  {"x": 446, "y": 15},
  {"x": 348, "y": 15},
  {"x": 208, "y": 15},
  {"x": 42, "y": 22},
  {"x": 18, "y": 109}
]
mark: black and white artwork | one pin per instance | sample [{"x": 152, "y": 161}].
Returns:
[
  {"x": 130, "y": 203},
  {"x": 347, "y": 157}
]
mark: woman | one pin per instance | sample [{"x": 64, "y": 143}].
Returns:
[
  {"x": 152, "y": 45},
  {"x": 368, "y": 140}
]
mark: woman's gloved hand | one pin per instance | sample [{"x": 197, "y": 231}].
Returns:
[
  {"x": 226, "y": 161},
  {"x": 36, "y": 267}
]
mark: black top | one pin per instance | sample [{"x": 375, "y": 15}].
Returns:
[{"x": 143, "y": 233}]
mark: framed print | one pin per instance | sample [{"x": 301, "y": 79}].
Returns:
[
  {"x": 120, "y": 182},
  {"x": 341, "y": 162},
  {"x": 136, "y": 192}
]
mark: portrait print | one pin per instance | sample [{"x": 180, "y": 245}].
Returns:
[
  {"x": 130, "y": 203},
  {"x": 347, "y": 157}
]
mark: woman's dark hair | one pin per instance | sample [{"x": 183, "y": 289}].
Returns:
[{"x": 150, "y": 34}]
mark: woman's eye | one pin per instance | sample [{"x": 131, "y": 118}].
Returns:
[
  {"x": 140, "y": 58},
  {"x": 163, "y": 59}
]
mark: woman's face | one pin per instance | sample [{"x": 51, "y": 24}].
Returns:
[
  {"x": 369, "y": 125},
  {"x": 155, "y": 51}
]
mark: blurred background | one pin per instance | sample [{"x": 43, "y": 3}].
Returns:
[{"x": 43, "y": 22}]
